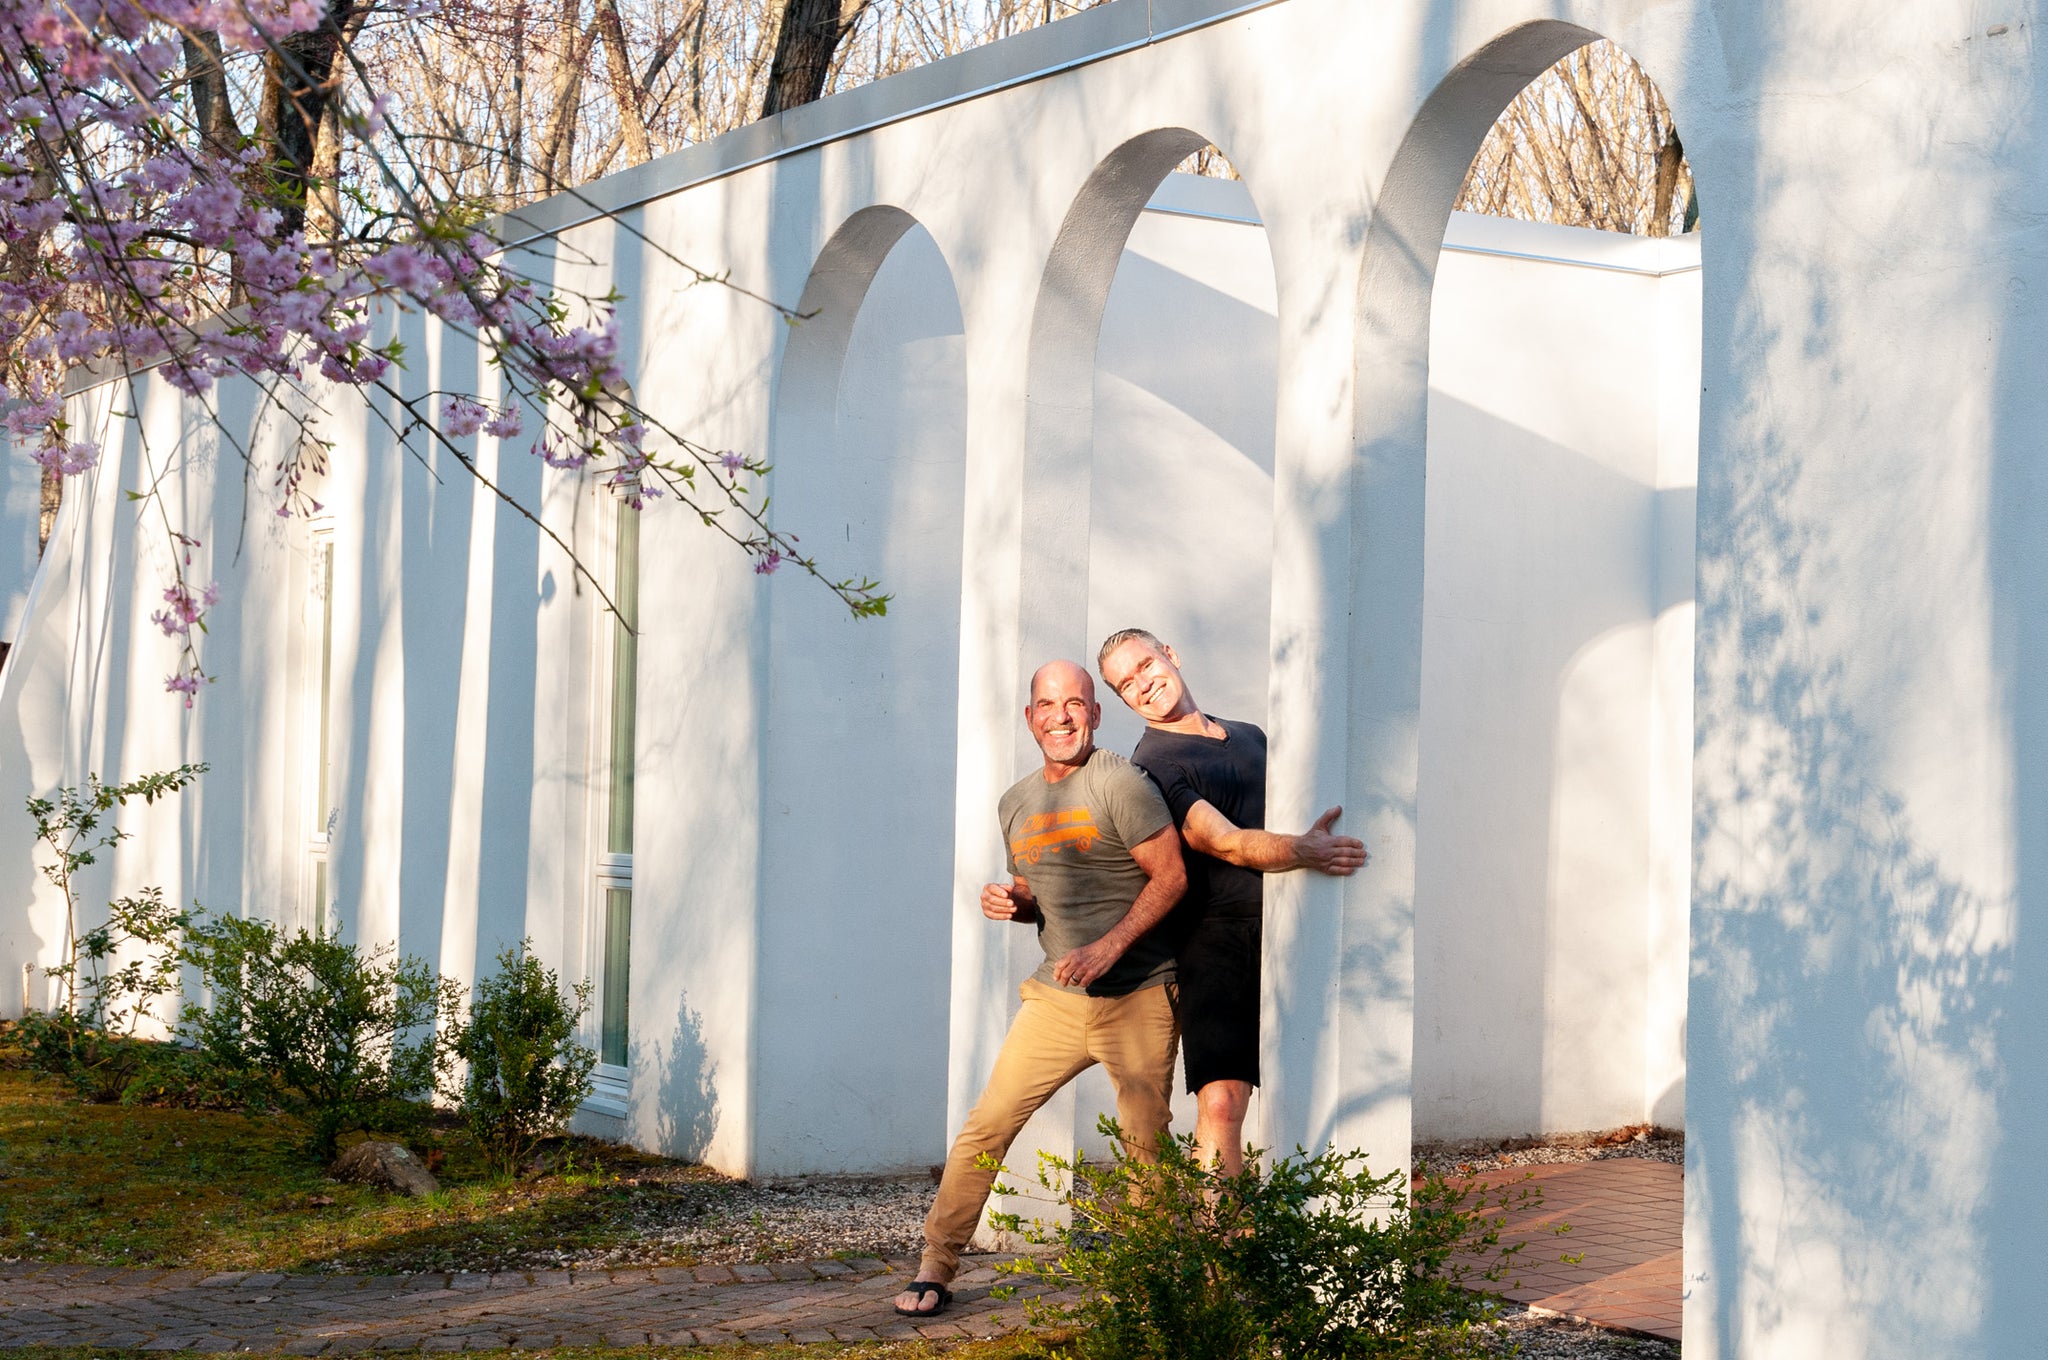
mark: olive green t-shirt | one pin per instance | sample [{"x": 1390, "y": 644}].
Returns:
[{"x": 1071, "y": 841}]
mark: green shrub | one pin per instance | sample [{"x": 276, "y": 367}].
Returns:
[
  {"x": 1311, "y": 1256},
  {"x": 333, "y": 1036},
  {"x": 526, "y": 1072},
  {"x": 128, "y": 965},
  {"x": 69, "y": 823},
  {"x": 110, "y": 977}
]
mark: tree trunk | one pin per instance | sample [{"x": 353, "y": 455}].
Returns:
[
  {"x": 1669, "y": 157},
  {"x": 804, "y": 47},
  {"x": 217, "y": 126},
  {"x": 558, "y": 140},
  {"x": 626, "y": 90},
  {"x": 298, "y": 84},
  {"x": 323, "y": 191}
]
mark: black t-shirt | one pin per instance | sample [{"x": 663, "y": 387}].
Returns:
[{"x": 1229, "y": 775}]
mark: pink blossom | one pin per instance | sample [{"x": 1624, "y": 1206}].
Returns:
[
  {"x": 559, "y": 453},
  {"x": 135, "y": 239},
  {"x": 403, "y": 268},
  {"x": 185, "y": 608},
  {"x": 461, "y": 417},
  {"x": 375, "y": 116},
  {"x": 68, "y": 458}
]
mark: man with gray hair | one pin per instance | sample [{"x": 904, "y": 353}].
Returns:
[{"x": 1213, "y": 773}]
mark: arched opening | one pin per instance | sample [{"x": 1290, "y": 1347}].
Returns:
[
  {"x": 856, "y": 889},
  {"x": 1546, "y": 379},
  {"x": 1149, "y": 463}
]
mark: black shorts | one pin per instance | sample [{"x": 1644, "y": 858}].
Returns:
[{"x": 1218, "y": 969}]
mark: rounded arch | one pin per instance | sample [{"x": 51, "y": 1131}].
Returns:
[
  {"x": 1413, "y": 209},
  {"x": 1060, "y": 415},
  {"x": 807, "y": 390},
  {"x": 868, "y": 442},
  {"x": 1568, "y": 675}
]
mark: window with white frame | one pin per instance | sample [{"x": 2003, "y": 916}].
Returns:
[
  {"x": 617, "y": 651},
  {"x": 319, "y": 792}
]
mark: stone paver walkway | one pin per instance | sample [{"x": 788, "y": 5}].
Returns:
[
  {"x": 1625, "y": 1217},
  {"x": 342, "y": 1315},
  {"x": 1619, "y": 1264}
]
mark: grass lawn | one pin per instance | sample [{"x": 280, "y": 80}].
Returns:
[
  {"x": 1001, "y": 1348},
  {"x": 139, "y": 1186}
]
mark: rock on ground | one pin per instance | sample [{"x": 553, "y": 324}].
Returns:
[{"x": 387, "y": 1164}]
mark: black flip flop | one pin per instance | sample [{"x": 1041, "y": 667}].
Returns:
[{"x": 922, "y": 1288}]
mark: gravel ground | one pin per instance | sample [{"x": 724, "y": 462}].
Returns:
[
  {"x": 1642, "y": 1141},
  {"x": 1529, "y": 1336},
  {"x": 685, "y": 1212},
  {"x": 688, "y": 1215}
]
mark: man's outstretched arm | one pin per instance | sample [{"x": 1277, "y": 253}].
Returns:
[
  {"x": 1167, "y": 878},
  {"x": 1272, "y": 852}
]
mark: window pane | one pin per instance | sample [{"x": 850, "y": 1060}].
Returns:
[
  {"x": 319, "y": 896},
  {"x": 625, "y": 659},
  {"x": 324, "y": 569},
  {"x": 618, "y": 940}
]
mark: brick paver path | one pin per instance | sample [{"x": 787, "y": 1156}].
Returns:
[
  {"x": 342, "y": 1315},
  {"x": 1626, "y": 1218}
]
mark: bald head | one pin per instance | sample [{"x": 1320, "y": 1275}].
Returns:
[
  {"x": 1063, "y": 716},
  {"x": 1063, "y": 675}
]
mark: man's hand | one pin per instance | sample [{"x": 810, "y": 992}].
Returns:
[
  {"x": 1318, "y": 849},
  {"x": 1166, "y": 878},
  {"x": 1082, "y": 966},
  {"x": 1009, "y": 902}
]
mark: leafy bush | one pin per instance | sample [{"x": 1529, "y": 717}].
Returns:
[
  {"x": 69, "y": 823},
  {"x": 179, "y": 1076},
  {"x": 1315, "y": 1257},
  {"x": 109, "y": 977},
  {"x": 338, "y": 1038},
  {"x": 93, "y": 1043},
  {"x": 526, "y": 1072}
]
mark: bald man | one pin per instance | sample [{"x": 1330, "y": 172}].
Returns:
[{"x": 1094, "y": 864}]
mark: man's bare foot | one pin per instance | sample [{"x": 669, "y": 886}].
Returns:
[{"x": 924, "y": 1298}]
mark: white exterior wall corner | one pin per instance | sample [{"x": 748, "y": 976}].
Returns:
[
  {"x": 1847, "y": 1126},
  {"x": 1866, "y": 1057}
]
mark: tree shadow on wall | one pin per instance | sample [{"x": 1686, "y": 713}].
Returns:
[
  {"x": 686, "y": 1112},
  {"x": 1846, "y": 992}
]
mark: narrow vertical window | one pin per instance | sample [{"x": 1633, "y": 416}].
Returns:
[
  {"x": 321, "y": 812},
  {"x": 615, "y": 865}
]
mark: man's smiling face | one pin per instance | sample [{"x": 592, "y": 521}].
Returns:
[
  {"x": 1063, "y": 714},
  {"x": 1147, "y": 678}
]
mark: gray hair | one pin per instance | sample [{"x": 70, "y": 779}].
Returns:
[{"x": 1118, "y": 639}]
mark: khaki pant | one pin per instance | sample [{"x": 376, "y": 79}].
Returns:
[{"x": 1055, "y": 1037}]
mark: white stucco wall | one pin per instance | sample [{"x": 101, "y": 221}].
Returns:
[
  {"x": 20, "y": 511},
  {"x": 1865, "y": 1061},
  {"x": 1551, "y": 806}
]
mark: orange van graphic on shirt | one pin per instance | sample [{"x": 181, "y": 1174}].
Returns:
[{"x": 1051, "y": 832}]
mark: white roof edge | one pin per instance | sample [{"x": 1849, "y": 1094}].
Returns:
[
  {"x": 1079, "y": 40},
  {"x": 1477, "y": 234},
  {"x": 1222, "y": 200}
]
